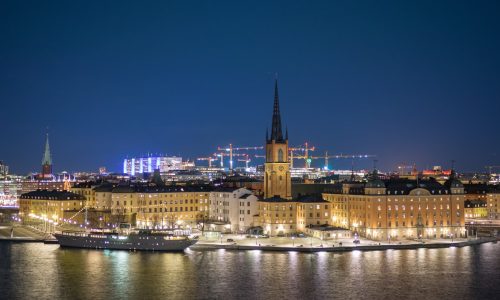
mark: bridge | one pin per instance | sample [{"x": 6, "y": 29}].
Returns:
[{"x": 482, "y": 227}]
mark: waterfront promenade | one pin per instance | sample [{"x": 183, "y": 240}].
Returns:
[
  {"x": 299, "y": 244},
  {"x": 308, "y": 244},
  {"x": 19, "y": 233}
]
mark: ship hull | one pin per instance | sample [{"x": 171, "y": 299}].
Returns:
[{"x": 131, "y": 242}]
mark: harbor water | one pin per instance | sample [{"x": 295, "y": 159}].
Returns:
[{"x": 38, "y": 271}]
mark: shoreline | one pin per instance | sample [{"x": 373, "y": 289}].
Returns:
[{"x": 204, "y": 247}]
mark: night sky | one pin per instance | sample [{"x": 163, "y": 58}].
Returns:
[{"x": 410, "y": 81}]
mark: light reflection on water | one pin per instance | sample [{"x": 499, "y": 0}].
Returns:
[{"x": 29, "y": 271}]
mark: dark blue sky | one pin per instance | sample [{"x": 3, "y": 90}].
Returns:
[{"x": 409, "y": 81}]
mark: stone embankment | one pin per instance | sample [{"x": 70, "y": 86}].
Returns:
[{"x": 429, "y": 245}]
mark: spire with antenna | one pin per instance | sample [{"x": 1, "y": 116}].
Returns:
[
  {"x": 47, "y": 158},
  {"x": 276, "y": 131}
]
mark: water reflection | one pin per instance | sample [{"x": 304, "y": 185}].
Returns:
[{"x": 45, "y": 271}]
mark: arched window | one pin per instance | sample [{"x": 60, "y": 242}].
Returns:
[{"x": 280, "y": 155}]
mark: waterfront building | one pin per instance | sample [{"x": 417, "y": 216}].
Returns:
[
  {"x": 151, "y": 206},
  {"x": 277, "y": 216},
  {"x": 235, "y": 207},
  {"x": 104, "y": 196},
  {"x": 476, "y": 209},
  {"x": 493, "y": 202},
  {"x": 48, "y": 206},
  {"x": 399, "y": 208},
  {"x": 86, "y": 189},
  {"x": 312, "y": 210},
  {"x": 140, "y": 165},
  {"x": 327, "y": 232}
]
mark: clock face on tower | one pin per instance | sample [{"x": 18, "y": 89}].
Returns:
[{"x": 281, "y": 168}]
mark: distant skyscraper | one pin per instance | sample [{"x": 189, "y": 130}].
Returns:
[
  {"x": 4, "y": 169},
  {"x": 277, "y": 180},
  {"x": 46, "y": 161}
]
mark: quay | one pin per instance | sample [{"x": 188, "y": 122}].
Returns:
[{"x": 332, "y": 248}]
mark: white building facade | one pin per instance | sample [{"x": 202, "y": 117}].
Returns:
[{"x": 235, "y": 207}]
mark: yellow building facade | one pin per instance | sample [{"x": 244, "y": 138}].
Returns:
[
  {"x": 399, "y": 209},
  {"x": 48, "y": 206},
  {"x": 161, "y": 207}
]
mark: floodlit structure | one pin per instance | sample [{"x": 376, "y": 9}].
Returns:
[{"x": 141, "y": 165}]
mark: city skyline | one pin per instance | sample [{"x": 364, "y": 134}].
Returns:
[{"x": 407, "y": 86}]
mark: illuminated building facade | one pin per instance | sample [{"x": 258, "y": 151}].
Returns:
[
  {"x": 10, "y": 189},
  {"x": 236, "y": 207},
  {"x": 277, "y": 214},
  {"x": 133, "y": 166},
  {"x": 399, "y": 208},
  {"x": 48, "y": 206},
  {"x": 312, "y": 210},
  {"x": 476, "y": 198},
  {"x": 4, "y": 169},
  {"x": 161, "y": 206},
  {"x": 33, "y": 185},
  {"x": 277, "y": 182},
  {"x": 493, "y": 202}
]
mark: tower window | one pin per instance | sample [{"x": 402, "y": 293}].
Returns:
[{"x": 280, "y": 155}]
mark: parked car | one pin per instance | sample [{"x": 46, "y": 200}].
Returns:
[
  {"x": 229, "y": 240},
  {"x": 356, "y": 242}
]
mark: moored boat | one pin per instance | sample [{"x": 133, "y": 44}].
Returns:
[{"x": 141, "y": 240}]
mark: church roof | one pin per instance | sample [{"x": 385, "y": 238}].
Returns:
[
  {"x": 47, "y": 158},
  {"x": 276, "y": 130}
]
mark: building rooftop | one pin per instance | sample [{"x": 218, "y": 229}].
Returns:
[
  {"x": 313, "y": 198},
  {"x": 52, "y": 195},
  {"x": 161, "y": 189},
  {"x": 275, "y": 199}
]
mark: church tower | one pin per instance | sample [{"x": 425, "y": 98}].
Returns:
[
  {"x": 277, "y": 181},
  {"x": 46, "y": 161}
]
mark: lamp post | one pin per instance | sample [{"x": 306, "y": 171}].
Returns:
[{"x": 293, "y": 241}]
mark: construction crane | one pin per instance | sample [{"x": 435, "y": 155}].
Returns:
[
  {"x": 305, "y": 148},
  {"x": 221, "y": 155},
  {"x": 230, "y": 149},
  {"x": 210, "y": 159},
  {"x": 246, "y": 160},
  {"x": 326, "y": 157}
]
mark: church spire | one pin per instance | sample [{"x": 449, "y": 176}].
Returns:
[
  {"x": 276, "y": 132},
  {"x": 46, "y": 161},
  {"x": 47, "y": 158}
]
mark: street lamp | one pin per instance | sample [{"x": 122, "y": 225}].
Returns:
[{"x": 293, "y": 241}]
